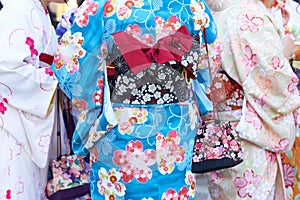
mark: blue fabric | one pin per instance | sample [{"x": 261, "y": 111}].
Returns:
[{"x": 137, "y": 151}]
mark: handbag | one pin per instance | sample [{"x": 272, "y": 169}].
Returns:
[
  {"x": 216, "y": 145},
  {"x": 68, "y": 175}
]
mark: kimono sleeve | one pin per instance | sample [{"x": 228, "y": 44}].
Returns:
[
  {"x": 81, "y": 72},
  {"x": 31, "y": 89},
  {"x": 269, "y": 85}
]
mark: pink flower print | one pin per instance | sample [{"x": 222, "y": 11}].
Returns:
[
  {"x": 164, "y": 28},
  {"x": 171, "y": 194},
  {"x": 292, "y": 87},
  {"x": 288, "y": 175},
  {"x": 30, "y": 43},
  {"x": 48, "y": 71},
  {"x": 275, "y": 63},
  {"x": 136, "y": 32},
  {"x": 8, "y": 194},
  {"x": 109, "y": 184},
  {"x": 19, "y": 186},
  {"x": 281, "y": 145},
  {"x": 94, "y": 154},
  {"x": 250, "y": 59},
  {"x": 246, "y": 185},
  {"x": 134, "y": 162},
  {"x": 190, "y": 179},
  {"x": 80, "y": 104},
  {"x": 216, "y": 175},
  {"x": 2, "y": 108},
  {"x": 251, "y": 22},
  {"x": 271, "y": 157},
  {"x": 168, "y": 151},
  {"x": 89, "y": 7},
  {"x": 252, "y": 117}
]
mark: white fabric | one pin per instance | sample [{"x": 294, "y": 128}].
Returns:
[{"x": 27, "y": 90}]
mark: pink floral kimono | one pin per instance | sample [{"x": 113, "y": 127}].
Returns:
[{"x": 263, "y": 112}]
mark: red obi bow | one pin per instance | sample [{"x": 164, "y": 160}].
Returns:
[{"x": 139, "y": 56}]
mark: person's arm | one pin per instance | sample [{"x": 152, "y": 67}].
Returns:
[
  {"x": 31, "y": 88},
  {"x": 269, "y": 85}
]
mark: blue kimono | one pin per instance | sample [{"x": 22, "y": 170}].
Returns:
[{"x": 136, "y": 71}]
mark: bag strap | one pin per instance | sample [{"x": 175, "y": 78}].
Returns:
[
  {"x": 58, "y": 133},
  {"x": 215, "y": 113}
]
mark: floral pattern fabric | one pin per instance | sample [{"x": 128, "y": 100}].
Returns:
[
  {"x": 137, "y": 126},
  {"x": 27, "y": 99},
  {"x": 253, "y": 57}
]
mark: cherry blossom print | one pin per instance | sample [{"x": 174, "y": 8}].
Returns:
[
  {"x": 89, "y": 7},
  {"x": 292, "y": 87},
  {"x": 2, "y": 108},
  {"x": 168, "y": 151},
  {"x": 288, "y": 175},
  {"x": 252, "y": 117},
  {"x": 276, "y": 63},
  {"x": 190, "y": 179},
  {"x": 49, "y": 71},
  {"x": 128, "y": 117},
  {"x": 8, "y": 194},
  {"x": 19, "y": 186},
  {"x": 80, "y": 104},
  {"x": 136, "y": 32},
  {"x": 216, "y": 176},
  {"x": 94, "y": 136},
  {"x": 271, "y": 157},
  {"x": 30, "y": 42},
  {"x": 250, "y": 22},
  {"x": 44, "y": 143},
  {"x": 94, "y": 154},
  {"x": 201, "y": 18},
  {"x": 250, "y": 60},
  {"x": 172, "y": 194},
  {"x": 281, "y": 145},
  {"x": 164, "y": 28},
  {"x": 69, "y": 51},
  {"x": 123, "y": 8},
  {"x": 98, "y": 95},
  {"x": 135, "y": 162},
  {"x": 246, "y": 185},
  {"x": 109, "y": 184}
]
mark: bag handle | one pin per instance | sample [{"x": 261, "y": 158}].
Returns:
[
  {"x": 58, "y": 131},
  {"x": 215, "y": 113}
]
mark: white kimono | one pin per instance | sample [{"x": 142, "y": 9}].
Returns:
[{"x": 27, "y": 96}]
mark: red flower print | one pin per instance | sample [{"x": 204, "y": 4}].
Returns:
[
  {"x": 251, "y": 22},
  {"x": 2, "y": 108},
  {"x": 8, "y": 194},
  {"x": 250, "y": 59},
  {"x": 288, "y": 175},
  {"x": 30, "y": 43},
  {"x": 246, "y": 185},
  {"x": 89, "y": 7},
  {"x": 48, "y": 71},
  {"x": 80, "y": 104},
  {"x": 134, "y": 162}
]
